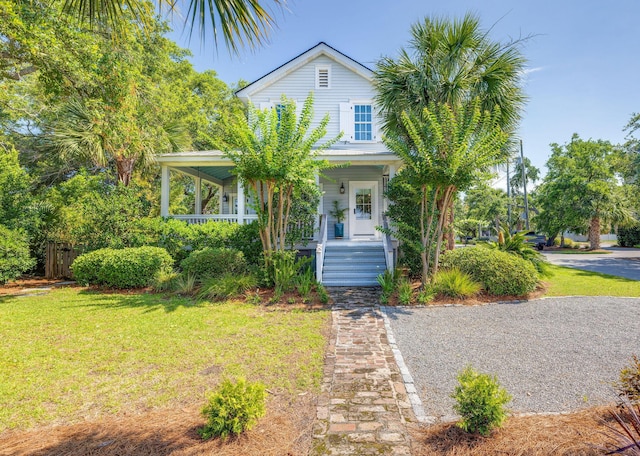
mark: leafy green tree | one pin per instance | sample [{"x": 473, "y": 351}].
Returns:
[
  {"x": 487, "y": 204},
  {"x": 274, "y": 156},
  {"x": 15, "y": 186},
  {"x": 583, "y": 185},
  {"x": 451, "y": 62},
  {"x": 450, "y": 148}
]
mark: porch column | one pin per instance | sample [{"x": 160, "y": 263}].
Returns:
[
  {"x": 164, "y": 192},
  {"x": 320, "y": 210},
  {"x": 198, "y": 185},
  {"x": 220, "y": 195},
  {"x": 240, "y": 202},
  {"x": 391, "y": 171}
]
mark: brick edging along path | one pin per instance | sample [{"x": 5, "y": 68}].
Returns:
[{"x": 363, "y": 408}]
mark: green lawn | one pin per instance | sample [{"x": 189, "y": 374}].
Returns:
[
  {"x": 71, "y": 353},
  {"x": 574, "y": 282}
]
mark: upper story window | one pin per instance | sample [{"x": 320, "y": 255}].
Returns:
[
  {"x": 358, "y": 121},
  {"x": 323, "y": 77},
  {"x": 363, "y": 122}
]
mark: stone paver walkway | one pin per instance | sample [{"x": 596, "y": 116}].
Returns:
[{"x": 363, "y": 408}]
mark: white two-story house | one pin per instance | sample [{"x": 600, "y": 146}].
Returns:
[{"x": 343, "y": 88}]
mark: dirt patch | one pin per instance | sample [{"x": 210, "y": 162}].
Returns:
[
  {"x": 18, "y": 286},
  {"x": 284, "y": 431},
  {"x": 582, "y": 433}
]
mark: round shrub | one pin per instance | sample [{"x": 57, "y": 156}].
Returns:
[
  {"x": 122, "y": 268},
  {"x": 233, "y": 409},
  {"x": 500, "y": 273},
  {"x": 14, "y": 254},
  {"x": 213, "y": 262},
  {"x": 480, "y": 401}
]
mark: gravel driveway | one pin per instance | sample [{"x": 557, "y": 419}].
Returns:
[{"x": 552, "y": 355}]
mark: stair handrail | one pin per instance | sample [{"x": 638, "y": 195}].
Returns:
[
  {"x": 320, "y": 248},
  {"x": 387, "y": 245}
]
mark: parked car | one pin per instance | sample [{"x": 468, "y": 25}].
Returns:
[{"x": 539, "y": 240}]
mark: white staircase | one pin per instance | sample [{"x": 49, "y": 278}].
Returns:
[{"x": 353, "y": 263}]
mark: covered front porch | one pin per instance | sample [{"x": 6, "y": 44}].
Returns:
[{"x": 357, "y": 185}]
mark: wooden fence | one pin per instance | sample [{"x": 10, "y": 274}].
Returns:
[{"x": 58, "y": 260}]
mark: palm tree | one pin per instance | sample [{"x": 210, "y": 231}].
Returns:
[
  {"x": 240, "y": 22},
  {"x": 106, "y": 138},
  {"x": 451, "y": 62}
]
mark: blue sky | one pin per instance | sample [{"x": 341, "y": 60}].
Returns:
[{"x": 583, "y": 59}]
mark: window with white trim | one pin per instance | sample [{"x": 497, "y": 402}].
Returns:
[
  {"x": 323, "y": 77},
  {"x": 358, "y": 122},
  {"x": 362, "y": 122}
]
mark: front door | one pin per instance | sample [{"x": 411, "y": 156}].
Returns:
[{"x": 363, "y": 209}]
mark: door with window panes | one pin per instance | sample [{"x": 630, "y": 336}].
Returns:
[{"x": 363, "y": 210}]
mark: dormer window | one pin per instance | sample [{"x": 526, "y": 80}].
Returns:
[{"x": 323, "y": 77}]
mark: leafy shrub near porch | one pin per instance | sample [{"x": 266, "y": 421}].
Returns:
[
  {"x": 122, "y": 268},
  {"x": 455, "y": 284},
  {"x": 14, "y": 254},
  {"x": 180, "y": 239},
  {"x": 213, "y": 262},
  {"x": 227, "y": 286},
  {"x": 233, "y": 408},
  {"x": 480, "y": 401},
  {"x": 500, "y": 273}
]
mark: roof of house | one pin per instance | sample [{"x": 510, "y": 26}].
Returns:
[{"x": 319, "y": 49}]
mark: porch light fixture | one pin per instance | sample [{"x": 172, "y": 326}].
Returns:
[
  {"x": 225, "y": 198},
  {"x": 342, "y": 188}
]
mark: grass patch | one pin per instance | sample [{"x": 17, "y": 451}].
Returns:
[
  {"x": 572, "y": 282},
  {"x": 73, "y": 354}
]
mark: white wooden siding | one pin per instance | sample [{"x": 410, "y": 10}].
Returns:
[{"x": 346, "y": 86}]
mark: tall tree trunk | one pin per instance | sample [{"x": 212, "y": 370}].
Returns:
[
  {"x": 451, "y": 232},
  {"x": 124, "y": 167},
  {"x": 594, "y": 233}
]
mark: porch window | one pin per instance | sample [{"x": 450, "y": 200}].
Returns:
[
  {"x": 363, "y": 204},
  {"x": 363, "y": 123}
]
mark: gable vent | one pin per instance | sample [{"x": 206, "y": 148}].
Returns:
[{"x": 323, "y": 78}]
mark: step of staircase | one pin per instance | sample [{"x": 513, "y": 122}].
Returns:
[{"x": 353, "y": 264}]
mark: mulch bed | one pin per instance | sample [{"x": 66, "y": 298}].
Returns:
[
  {"x": 284, "y": 431},
  {"x": 581, "y": 433}
]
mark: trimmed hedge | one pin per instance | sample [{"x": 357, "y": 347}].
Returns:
[
  {"x": 500, "y": 273},
  {"x": 629, "y": 236},
  {"x": 180, "y": 239},
  {"x": 214, "y": 262},
  {"x": 14, "y": 254},
  {"x": 122, "y": 268}
]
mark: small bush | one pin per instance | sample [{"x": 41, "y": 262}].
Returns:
[
  {"x": 304, "y": 283},
  {"x": 185, "y": 284},
  {"x": 122, "y": 268},
  {"x": 165, "y": 281},
  {"x": 628, "y": 385},
  {"x": 500, "y": 273},
  {"x": 480, "y": 401},
  {"x": 14, "y": 254},
  {"x": 388, "y": 281},
  {"x": 425, "y": 296},
  {"x": 405, "y": 292},
  {"x": 629, "y": 236},
  {"x": 233, "y": 409},
  {"x": 214, "y": 262},
  {"x": 455, "y": 284},
  {"x": 227, "y": 286},
  {"x": 322, "y": 293}
]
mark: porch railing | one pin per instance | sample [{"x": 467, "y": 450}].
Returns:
[
  {"x": 204, "y": 218},
  {"x": 387, "y": 245},
  {"x": 322, "y": 243}
]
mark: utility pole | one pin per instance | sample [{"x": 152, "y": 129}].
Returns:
[
  {"x": 524, "y": 186},
  {"x": 508, "y": 197}
]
